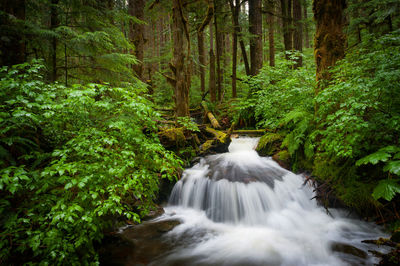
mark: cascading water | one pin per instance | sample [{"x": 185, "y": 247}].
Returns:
[{"x": 238, "y": 208}]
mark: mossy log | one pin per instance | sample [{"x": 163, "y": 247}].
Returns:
[
  {"x": 250, "y": 131},
  {"x": 218, "y": 144},
  {"x": 172, "y": 137},
  {"x": 211, "y": 117}
]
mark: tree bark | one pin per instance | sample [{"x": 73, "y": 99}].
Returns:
[
  {"x": 298, "y": 32},
  {"x": 306, "y": 27},
  {"x": 235, "y": 16},
  {"x": 200, "y": 43},
  {"x": 136, "y": 33},
  {"x": 211, "y": 83},
  {"x": 219, "y": 43},
  {"x": 255, "y": 29},
  {"x": 180, "y": 62},
  {"x": 271, "y": 40},
  {"x": 330, "y": 41},
  {"x": 286, "y": 23},
  {"x": 54, "y": 22}
]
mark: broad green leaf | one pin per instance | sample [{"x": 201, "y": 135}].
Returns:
[
  {"x": 386, "y": 189},
  {"x": 393, "y": 167},
  {"x": 374, "y": 158}
]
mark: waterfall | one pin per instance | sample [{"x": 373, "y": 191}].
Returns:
[{"x": 238, "y": 208}]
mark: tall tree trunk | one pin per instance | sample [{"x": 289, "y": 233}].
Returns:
[
  {"x": 200, "y": 43},
  {"x": 330, "y": 41},
  {"x": 306, "y": 27},
  {"x": 211, "y": 84},
  {"x": 255, "y": 28},
  {"x": 219, "y": 43},
  {"x": 271, "y": 40},
  {"x": 136, "y": 33},
  {"x": 180, "y": 62},
  {"x": 53, "y": 24},
  {"x": 286, "y": 23},
  {"x": 298, "y": 32},
  {"x": 235, "y": 15}
]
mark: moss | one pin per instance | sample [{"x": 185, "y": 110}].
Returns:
[
  {"x": 283, "y": 156},
  {"x": 221, "y": 136},
  {"x": 174, "y": 136},
  {"x": 269, "y": 144},
  {"x": 206, "y": 146}
]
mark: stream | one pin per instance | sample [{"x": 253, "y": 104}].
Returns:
[{"x": 238, "y": 208}]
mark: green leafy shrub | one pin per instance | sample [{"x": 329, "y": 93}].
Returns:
[
  {"x": 358, "y": 116},
  {"x": 74, "y": 161},
  {"x": 276, "y": 91}
]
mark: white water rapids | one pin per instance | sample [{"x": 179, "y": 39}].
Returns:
[{"x": 238, "y": 208}]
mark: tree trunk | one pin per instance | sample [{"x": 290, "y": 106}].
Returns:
[
  {"x": 298, "y": 32},
  {"x": 136, "y": 33},
  {"x": 200, "y": 43},
  {"x": 286, "y": 23},
  {"x": 235, "y": 16},
  {"x": 330, "y": 41},
  {"x": 53, "y": 24},
  {"x": 270, "y": 22},
  {"x": 211, "y": 86},
  {"x": 255, "y": 29},
  {"x": 180, "y": 63},
  {"x": 219, "y": 43},
  {"x": 306, "y": 27}
]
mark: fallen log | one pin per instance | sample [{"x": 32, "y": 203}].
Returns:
[
  {"x": 211, "y": 117},
  {"x": 218, "y": 144},
  {"x": 250, "y": 131}
]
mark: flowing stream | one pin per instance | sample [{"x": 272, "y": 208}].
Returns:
[{"x": 238, "y": 208}]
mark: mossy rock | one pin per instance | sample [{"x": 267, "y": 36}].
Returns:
[
  {"x": 282, "y": 158},
  {"x": 269, "y": 144},
  {"x": 173, "y": 137}
]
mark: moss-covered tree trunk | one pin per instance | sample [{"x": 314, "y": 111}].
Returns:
[
  {"x": 180, "y": 63},
  {"x": 330, "y": 41}
]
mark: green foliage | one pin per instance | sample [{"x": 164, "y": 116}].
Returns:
[
  {"x": 358, "y": 114},
  {"x": 74, "y": 161},
  {"x": 299, "y": 124},
  {"x": 276, "y": 91},
  {"x": 188, "y": 124},
  {"x": 386, "y": 189}
]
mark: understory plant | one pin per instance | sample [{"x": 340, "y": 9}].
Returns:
[{"x": 74, "y": 160}]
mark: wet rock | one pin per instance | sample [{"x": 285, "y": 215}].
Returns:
[
  {"x": 269, "y": 144},
  {"x": 348, "y": 249},
  {"x": 148, "y": 230},
  {"x": 137, "y": 245},
  {"x": 158, "y": 211},
  {"x": 282, "y": 158}
]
